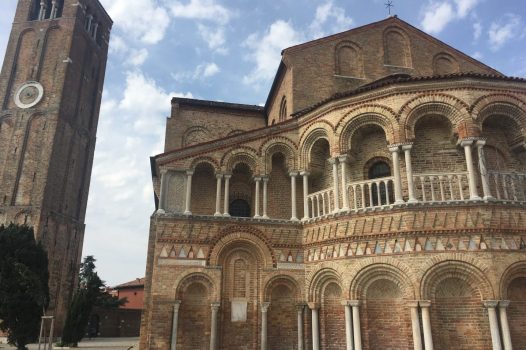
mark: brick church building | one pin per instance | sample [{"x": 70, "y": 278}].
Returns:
[
  {"x": 50, "y": 93},
  {"x": 376, "y": 201}
]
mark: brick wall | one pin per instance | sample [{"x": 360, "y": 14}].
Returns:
[
  {"x": 332, "y": 318},
  {"x": 194, "y": 319},
  {"x": 517, "y": 312},
  {"x": 282, "y": 319}
]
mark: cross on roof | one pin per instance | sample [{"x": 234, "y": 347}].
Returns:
[{"x": 389, "y": 5}]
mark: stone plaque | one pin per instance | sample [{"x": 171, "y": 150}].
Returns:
[{"x": 239, "y": 310}]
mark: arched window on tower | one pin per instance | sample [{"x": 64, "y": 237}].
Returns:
[
  {"x": 378, "y": 170},
  {"x": 34, "y": 11},
  {"x": 283, "y": 109}
]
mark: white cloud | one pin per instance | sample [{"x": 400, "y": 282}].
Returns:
[
  {"x": 143, "y": 20},
  {"x": 477, "y": 55},
  {"x": 334, "y": 15},
  {"x": 437, "y": 17},
  {"x": 137, "y": 57},
  {"x": 464, "y": 7},
  {"x": 214, "y": 37},
  {"x": 477, "y": 30},
  {"x": 205, "y": 70},
  {"x": 437, "y": 14},
  {"x": 508, "y": 27},
  {"x": 119, "y": 204},
  {"x": 265, "y": 50},
  {"x": 201, "y": 10}
]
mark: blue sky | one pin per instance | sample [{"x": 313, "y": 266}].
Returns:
[{"x": 229, "y": 50}]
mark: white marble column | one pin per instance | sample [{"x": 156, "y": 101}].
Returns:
[
  {"x": 394, "y": 149},
  {"x": 42, "y": 12},
  {"x": 344, "y": 160},
  {"x": 294, "y": 214},
  {"x": 95, "y": 29},
  {"x": 53, "y": 9},
  {"x": 355, "y": 304},
  {"x": 493, "y": 323},
  {"x": 162, "y": 194},
  {"x": 265, "y": 196},
  {"x": 219, "y": 178},
  {"x": 189, "y": 174},
  {"x": 300, "y": 309},
  {"x": 257, "y": 180},
  {"x": 173, "y": 345},
  {"x": 348, "y": 326},
  {"x": 315, "y": 326},
  {"x": 226, "y": 197},
  {"x": 473, "y": 193},
  {"x": 336, "y": 186},
  {"x": 426, "y": 323},
  {"x": 305, "y": 175},
  {"x": 415, "y": 324},
  {"x": 90, "y": 20},
  {"x": 483, "y": 170},
  {"x": 409, "y": 170},
  {"x": 213, "y": 326},
  {"x": 264, "y": 309},
  {"x": 504, "y": 325}
]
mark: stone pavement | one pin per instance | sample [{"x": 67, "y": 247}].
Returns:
[{"x": 99, "y": 343}]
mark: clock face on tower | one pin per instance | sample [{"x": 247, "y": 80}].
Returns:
[{"x": 29, "y": 94}]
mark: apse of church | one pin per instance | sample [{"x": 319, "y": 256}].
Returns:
[
  {"x": 50, "y": 90},
  {"x": 376, "y": 201}
]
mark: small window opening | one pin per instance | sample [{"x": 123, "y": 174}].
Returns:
[{"x": 240, "y": 208}]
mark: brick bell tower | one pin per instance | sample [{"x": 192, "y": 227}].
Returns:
[{"x": 50, "y": 93}]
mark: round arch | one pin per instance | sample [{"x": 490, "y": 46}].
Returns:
[
  {"x": 320, "y": 279},
  {"x": 280, "y": 145},
  {"x": 244, "y": 155},
  {"x": 281, "y": 279},
  {"x": 191, "y": 277},
  {"x": 515, "y": 270},
  {"x": 310, "y": 140},
  {"x": 372, "y": 273}
]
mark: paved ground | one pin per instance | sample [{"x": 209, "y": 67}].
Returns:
[{"x": 100, "y": 343}]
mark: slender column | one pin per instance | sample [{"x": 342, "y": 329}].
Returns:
[
  {"x": 189, "y": 174},
  {"x": 257, "y": 179},
  {"x": 305, "y": 175},
  {"x": 293, "y": 175},
  {"x": 473, "y": 193},
  {"x": 426, "y": 322},
  {"x": 493, "y": 323},
  {"x": 53, "y": 9},
  {"x": 213, "y": 326},
  {"x": 300, "y": 308},
  {"x": 90, "y": 20},
  {"x": 173, "y": 345},
  {"x": 95, "y": 29},
  {"x": 264, "y": 309},
  {"x": 226, "y": 197},
  {"x": 415, "y": 323},
  {"x": 219, "y": 178},
  {"x": 265, "y": 196},
  {"x": 355, "y": 304},
  {"x": 42, "y": 12},
  {"x": 396, "y": 170},
  {"x": 409, "y": 169},
  {"x": 504, "y": 325},
  {"x": 483, "y": 170},
  {"x": 162, "y": 199},
  {"x": 314, "y": 307},
  {"x": 334, "y": 162},
  {"x": 344, "y": 160},
  {"x": 348, "y": 326}
]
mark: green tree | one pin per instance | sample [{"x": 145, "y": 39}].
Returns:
[
  {"x": 91, "y": 292},
  {"x": 24, "y": 293}
]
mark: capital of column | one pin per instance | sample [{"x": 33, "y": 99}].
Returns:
[
  {"x": 490, "y": 304},
  {"x": 189, "y": 172},
  {"x": 294, "y": 173},
  {"x": 177, "y": 303},
  {"x": 412, "y": 303},
  {"x": 313, "y": 306},
  {"x": 394, "y": 148},
  {"x": 264, "y": 306},
  {"x": 227, "y": 176},
  {"x": 215, "y": 306},
  {"x": 219, "y": 176},
  {"x": 300, "y": 307},
  {"x": 344, "y": 302},
  {"x": 481, "y": 142},
  {"x": 257, "y": 178},
  {"x": 343, "y": 158},
  {"x": 264, "y": 178},
  {"x": 163, "y": 171},
  {"x": 407, "y": 146},
  {"x": 467, "y": 141},
  {"x": 354, "y": 303},
  {"x": 504, "y": 304},
  {"x": 333, "y": 160},
  {"x": 304, "y": 173},
  {"x": 424, "y": 303}
]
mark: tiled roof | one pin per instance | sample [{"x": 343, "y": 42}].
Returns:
[{"x": 138, "y": 282}]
